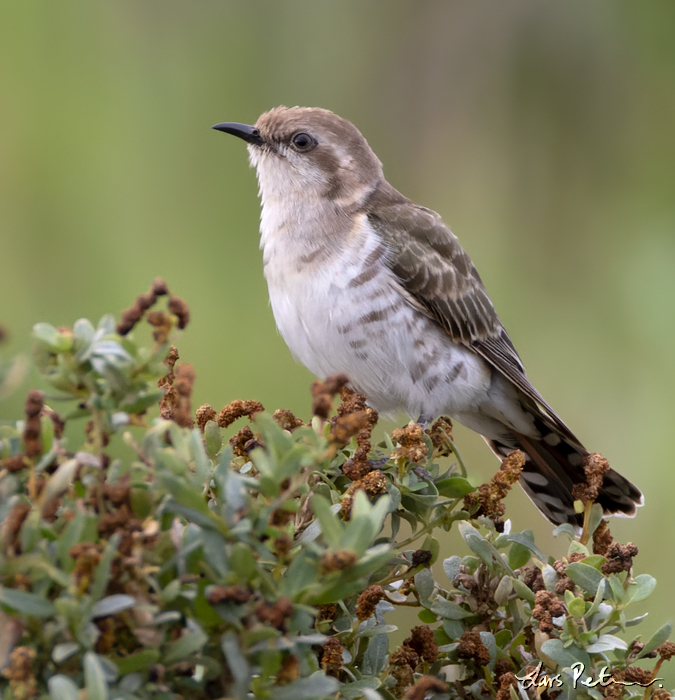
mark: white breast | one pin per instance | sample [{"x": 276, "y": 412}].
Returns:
[{"x": 341, "y": 309}]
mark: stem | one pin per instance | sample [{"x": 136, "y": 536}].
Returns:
[
  {"x": 430, "y": 526},
  {"x": 585, "y": 534},
  {"x": 460, "y": 461}
]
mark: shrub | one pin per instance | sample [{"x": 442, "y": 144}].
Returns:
[{"x": 160, "y": 560}]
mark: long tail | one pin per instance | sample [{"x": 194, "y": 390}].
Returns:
[{"x": 554, "y": 465}]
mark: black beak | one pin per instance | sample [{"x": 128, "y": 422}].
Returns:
[{"x": 248, "y": 133}]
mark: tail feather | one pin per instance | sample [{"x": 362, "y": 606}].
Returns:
[{"x": 553, "y": 466}]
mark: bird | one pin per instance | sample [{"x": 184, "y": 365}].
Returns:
[{"x": 364, "y": 282}]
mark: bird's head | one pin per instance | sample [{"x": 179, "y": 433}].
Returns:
[{"x": 308, "y": 152}]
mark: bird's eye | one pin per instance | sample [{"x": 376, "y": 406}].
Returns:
[{"x": 303, "y": 142}]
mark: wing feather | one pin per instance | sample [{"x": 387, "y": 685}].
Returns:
[{"x": 439, "y": 278}]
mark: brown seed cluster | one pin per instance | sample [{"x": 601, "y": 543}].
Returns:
[
  {"x": 243, "y": 442},
  {"x": 9, "y": 534},
  {"x": 439, "y": 433},
  {"x": 506, "y": 681},
  {"x": 661, "y": 694},
  {"x": 565, "y": 583},
  {"x": 87, "y": 557},
  {"x": 602, "y": 538},
  {"x": 179, "y": 308},
  {"x": 373, "y": 484},
  {"x": 533, "y": 579},
  {"x": 238, "y": 409},
  {"x": 666, "y": 650},
  {"x": 337, "y": 561},
  {"x": 636, "y": 647},
  {"x": 488, "y": 500},
  {"x": 421, "y": 641},
  {"x": 326, "y": 612},
  {"x": 421, "y": 557},
  {"x": 229, "y": 594},
  {"x": 331, "y": 660},
  {"x": 354, "y": 403},
  {"x": 345, "y": 427},
  {"x": 619, "y": 558},
  {"x": 286, "y": 420},
  {"x": 420, "y": 646},
  {"x": 162, "y": 325},
  {"x": 177, "y": 383},
  {"x": 131, "y": 316},
  {"x": 367, "y": 601},
  {"x": 13, "y": 463},
  {"x": 32, "y": 428},
  {"x": 634, "y": 674},
  {"x": 19, "y": 672},
  {"x": 412, "y": 446},
  {"x": 546, "y": 607},
  {"x": 424, "y": 686},
  {"x": 471, "y": 647},
  {"x": 595, "y": 466},
  {"x": 276, "y": 614},
  {"x": 204, "y": 414},
  {"x": 289, "y": 671},
  {"x": 323, "y": 392}
]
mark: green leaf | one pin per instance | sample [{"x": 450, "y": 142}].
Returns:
[
  {"x": 427, "y": 616},
  {"x": 102, "y": 574},
  {"x": 242, "y": 560},
  {"x": 639, "y": 589},
  {"x": 433, "y": 546},
  {"x": 616, "y": 588},
  {"x": 504, "y": 590},
  {"x": 605, "y": 643},
  {"x": 523, "y": 590},
  {"x": 213, "y": 438},
  {"x": 595, "y": 518},
  {"x": 332, "y": 528},
  {"x": 489, "y": 640},
  {"x": 451, "y": 566},
  {"x": 26, "y": 603},
  {"x": 576, "y": 607},
  {"x": 565, "y": 529},
  {"x": 550, "y": 576},
  {"x": 184, "y": 647},
  {"x": 424, "y": 582},
  {"x": 519, "y": 555},
  {"x": 237, "y": 663},
  {"x": 454, "y": 487},
  {"x": 112, "y": 605},
  {"x": 60, "y": 480},
  {"x": 94, "y": 678},
  {"x": 449, "y": 610},
  {"x": 376, "y": 630},
  {"x": 375, "y": 656},
  {"x": 484, "y": 549},
  {"x": 51, "y": 338},
  {"x": 565, "y": 656},
  {"x": 318, "y": 685},
  {"x": 586, "y": 577},
  {"x": 657, "y": 639},
  {"x": 62, "y": 688},
  {"x": 137, "y": 662},
  {"x": 64, "y": 651},
  {"x": 525, "y": 541},
  {"x": 595, "y": 560},
  {"x": 355, "y": 689}
]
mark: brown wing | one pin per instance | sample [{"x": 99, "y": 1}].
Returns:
[{"x": 441, "y": 280}]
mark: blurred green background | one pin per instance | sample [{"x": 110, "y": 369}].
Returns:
[{"x": 544, "y": 133}]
